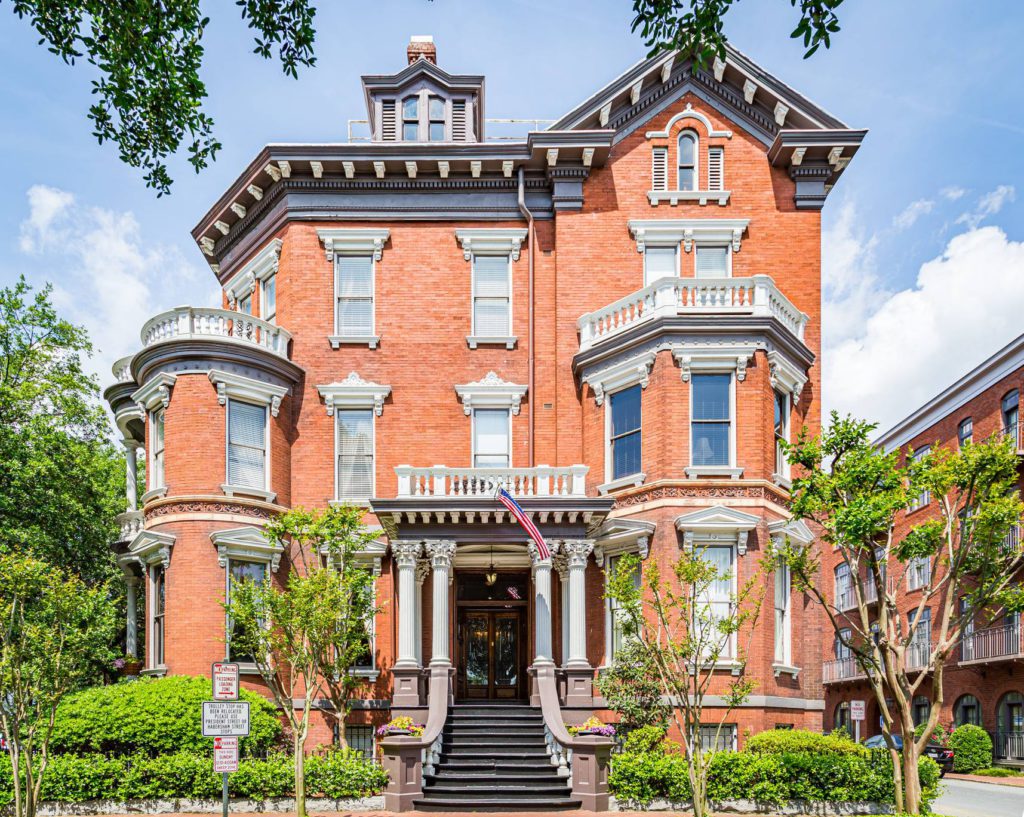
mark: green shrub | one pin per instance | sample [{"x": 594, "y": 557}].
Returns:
[
  {"x": 343, "y": 773},
  {"x": 155, "y": 716},
  {"x": 632, "y": 688},
  {"x": 785, "y": 741},
  {"x": 645, "y": 739},
  {"x": 972, "y": 748},
  {"x": 940, "y": 734}
]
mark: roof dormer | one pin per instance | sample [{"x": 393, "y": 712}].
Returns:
[{"x": 424, "y": 103}]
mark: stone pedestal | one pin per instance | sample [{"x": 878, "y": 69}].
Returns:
[
  {"x": 402, "y": 760},
  {"x": 406, "y": 686},
  {"x": 579, "y": 686},
  {"x": 590, "y": 756}
]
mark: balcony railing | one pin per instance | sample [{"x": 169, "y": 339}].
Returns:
[
  {"x": 841, "y": 669},
  {"x": 441, "y": 481},
  {"x": 122, "y": 370},
  {"x": 186, "y": 322},
  {"x": 918, "y": 655},
  {"x": 130, "y": 523},
  {"x": 757, "y": 296},
  {"x": 1008, "y": 746},
  {"x": 1011, "y": 542},
  {"x": 991, "y": 644}
]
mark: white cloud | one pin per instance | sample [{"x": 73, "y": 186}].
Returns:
[
  {"x": 912, "y": 212},
  {"x": 964, "y": 305},
  {"x": 106, "y": 276},
  {"x": 952, "y": 193},
  {"x": 850, "y": 285},
  {"x": 988, "y": 205}
]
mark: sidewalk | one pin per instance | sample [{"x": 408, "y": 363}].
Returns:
[{"x": 979, "y": 778}]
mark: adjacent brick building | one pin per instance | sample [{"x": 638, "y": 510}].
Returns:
[
  {"x": 983, "y": 683},
  {"x": 615, "y": 318}
]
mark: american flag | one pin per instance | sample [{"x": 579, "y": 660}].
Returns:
[{"x": 505, "y": 498}]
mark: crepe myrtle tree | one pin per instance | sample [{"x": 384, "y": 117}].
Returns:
[
  {"x": 306, "y": 634},
  {"x": 693, "y": 627},
  {"x": 951, "y": 564}
]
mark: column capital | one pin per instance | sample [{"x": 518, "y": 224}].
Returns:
[
  {"x": 561, "y": 565},
  {"x": 422, "y": 570},
  {"x": 406, "y": 551},
  {"x": 441, "y": 552},
  {"x": 577, "y": 551},
  {"x": 531, "y": 548}
]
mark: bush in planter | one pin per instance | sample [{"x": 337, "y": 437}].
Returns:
[
  {"x": 972, "y": 748},
  {"x": 782, "y": 741},
  {"x": 154, "y": 716}
]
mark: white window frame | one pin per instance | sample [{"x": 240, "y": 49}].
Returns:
[
  {"x": 919, "y": 572},
  {"x": 472, "y": 426},
  {"x": 371, "y": 337},
  {"x": 158, "y": 417},
  {"x": 728, "y": 658},
  {"x": 354, "y": 241},
  {"x": 244, "y": 666},
  {"x": 714, "y": 245},
  {"x": 370, "y": 671},
  {"x": 151, "y": 615},
  {"x": 782, "y": 474},
  {"x": 924, "y": 498},
  {"x": 674, "y": 247},
  {"x": 264, "y": 285},
  {"x": 610, "y": 606},
  {"x": 727, "y": 731},
  {"x": 338, "y": 498},
  {"x": 696, "y": 160},
  {"x": 241, "y": 489},
  {"x": 475, "y": 339},
  {"x": 609, "y": 465},
  {"x": 715, "y": 469},
  {"x": 783, "y": 625},
  {"x": 842, "y": 570},
  {"x": 840, "y": 645}
]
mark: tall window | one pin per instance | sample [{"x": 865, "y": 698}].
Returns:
[
  {"x": 354, "y": 287},
  {"x": 967, "y": 709},
  {"x": 925, "y": 496},
  {"x": 919, "y": 572},
  {"x": 965, "y": 431},
  {"x": 245, "y": 304},
  {"x": 781, "y": 433},
  {"x": 920, "y": 646},
  {"x": 712, "y": 262},
  {"x": 366, "y": 662},
  {"x": 239, "y": 571},
  {"x": 268, "y": 299},
  {"x": 624, "y": 432},
  {"x": 921, "y": 708},
  {"x": 411, "y": 118},
  {"x": 247, "y": 445},
  {"x": 435, "y": 110},
  {"x": 715, "y": 603},
  {"x": 783, "y": 625},
  {"x": 688, "y": 161},
  {"x": 843, "y": 650},
  {"x": 159, "y": 609},
  {"x": 492, "y": 306},
  {"x": 492, "y": 442},
  {"x": 355, "y": 454},
  {"x": 844, "y": 587},
  {"x": 616, "y": 626},
  {"x": 711, "y": 426},
  {"x": 1009, "y": 407},
  {"x": 660, "y": 262},
  {"x": 156, "y": 442}
]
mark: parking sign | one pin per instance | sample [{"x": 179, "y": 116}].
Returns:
[
  {"x": 225, "y": 755},
  {"x": 225, "y": 681}
]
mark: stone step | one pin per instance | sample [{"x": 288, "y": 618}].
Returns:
[
  {"x": 476, "y": 792},
  {"x": 516, "y": 777},
  {"x": 483, "y": 741},
  {"x": 474, "y": 729},
  {"x": 538, "y": 766},
  {"x": 497, "y": 804}
]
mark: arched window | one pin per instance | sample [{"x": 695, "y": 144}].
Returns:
[
  {"x": 410, "y": 118},
  {"x": 435, "y": 111},
  {"x": 1009, "y": 407},
  {"x": 687, "y": 160},
  {"x": 842, "y": 716},
  {"x": 921, "y": 709},
  {"x": 1009, "y": 742},
  {"x": 967, "y": 709}
]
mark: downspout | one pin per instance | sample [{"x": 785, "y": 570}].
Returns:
[{"x": 529, "y": 254}]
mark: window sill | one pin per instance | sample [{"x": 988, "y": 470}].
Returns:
[
  {"x": 361, "y": 502},
  {"x": 241, "y": 490},
  {"x": 629, "y": 481},
  {"x": 366, "y": 674},
  {"x": 156, "y": 493},
  {"x": 713, "y": 471},
  {"x": 783, "y": 482},
  {"x": 785, "y": 669},
  {"x": 735, "y": 667},
  {"x": 702, "y": 197},
  {"x": 508, "y": 341},
  {"x": 916, "y": 508},
  {"x": 155, "y": 672},
  {"x": 354, "y": 340},
  {"x": 247, "y": 668}
]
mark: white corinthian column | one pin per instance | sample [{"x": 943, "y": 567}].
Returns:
[
  {"x": 542, "y": 604},
  {"x": 441, "y": 552},
  {"x": 405, "y": 553},
  {"x": 577, "y": 551}
]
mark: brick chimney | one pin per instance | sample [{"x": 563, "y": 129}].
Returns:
[{"x": 421, "y": 46}]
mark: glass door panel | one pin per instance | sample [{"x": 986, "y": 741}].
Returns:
[{"x": 477, "y": 655}]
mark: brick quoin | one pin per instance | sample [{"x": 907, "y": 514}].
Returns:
[{"x": 585, "y": 257}]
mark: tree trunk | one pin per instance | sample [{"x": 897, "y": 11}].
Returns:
[
  {"x": 300, "y": 776},
  {"x": 29, "y": 800},
  {"x": 897, "y": 776},
  {"x": 911, "y": 781}
]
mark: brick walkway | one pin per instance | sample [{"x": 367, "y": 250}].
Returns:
[{"x": 979, "y": 778}]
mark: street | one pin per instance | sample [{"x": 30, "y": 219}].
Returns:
[{"x": 963, "y": 798}]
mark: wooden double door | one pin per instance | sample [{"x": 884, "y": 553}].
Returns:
[{"x": 492, "y": 649}]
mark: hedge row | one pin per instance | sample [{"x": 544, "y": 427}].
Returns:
[{"x": 75, "y": 778}]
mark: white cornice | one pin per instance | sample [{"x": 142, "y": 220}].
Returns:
[
  {"x": 354, "y": 392},
  {"x": 693, "y": 358},
  {"x": 795, "y": 530},
  {"x": 484, "y": 241},
  {"x": 718, "y": 522},
  {"x": 151, "y": 548},
  {"x": 786, "y": 375},
  {"x": 351, "y": 241},
  {"x": 260, "y": 267},
  {"x": 249, "y": 543},
  {"x": 617, "y": 536},
  {"x": 245, "y": 388},
  {"x": 491, "y": 392},
  {"x": 675, "y": 231},
  {"x": 628, "y": 372},
  {"x": 155, "y": 392},
  {"x": 689, "y": 113}
]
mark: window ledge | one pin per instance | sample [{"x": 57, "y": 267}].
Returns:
[
  {"x": 366, "y": 674},
  {"x": 247, "y": 668},
  {"x": 241, "y": 490},
  {"x": 714, "y": 471},
  {"x": 155, "y": 672},
  {"x": 354, "y": 340},
  {"x": 362, "y": 502},
  {"x": 785, "y": 669},
  {"x": 508, "y": 341},
  {"x": 629, "y": 481},
  {"x": 156, "y": 493},
  {"x": 783, "y": 482},
  {"x": 702, "y": 197},
  {"x": 735, "y": 667}
]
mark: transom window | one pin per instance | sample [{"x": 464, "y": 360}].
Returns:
[
  {"x": 156, "y": 459},
  {"x": 355, "y": 454},
  {"x": 965, "y": 431},
  {"x": 660, "y": 262},
  {"x": 354, "y": 287},
  {"x": 711, "y": 426},
  {"x": 687, "y": 164},
  {"x": 247, "y": 445},
  {"x": 492, "y": 304},
  {"x": 712, "y": 262},
  {"x": 624, "y": 432},
  {"x": 492, "y": 439}
]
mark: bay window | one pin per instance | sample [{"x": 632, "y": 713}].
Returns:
[
  {"x": 624, "y": 438},
  {"x": 156, "y": 443},
  {"x": 714, "y": 604},
  {"x": 247, "y": 445},
  {"x": 240, "y": 570},
  {"x": 711, "y": 423},
  {"x": 158, "y": 608}
]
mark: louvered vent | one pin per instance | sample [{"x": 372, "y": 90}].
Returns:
[
  {"x": 716, "y": 171},
  {"x": 388, "y": 131},
  {"x": 459, "y": 120},
  {"x": 659, "y": 168}
]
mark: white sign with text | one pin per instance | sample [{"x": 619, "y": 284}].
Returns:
[{"x": 225, "y": 719}]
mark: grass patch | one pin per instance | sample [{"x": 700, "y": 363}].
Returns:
[{"x": 997, "y": 771}]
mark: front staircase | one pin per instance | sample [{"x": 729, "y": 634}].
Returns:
[{"x": 493, "y": 758}]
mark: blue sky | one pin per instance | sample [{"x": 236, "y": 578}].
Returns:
[{"x": 924, "y": 265}]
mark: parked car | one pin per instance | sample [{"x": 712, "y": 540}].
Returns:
[{"x": 942, "y": 755}]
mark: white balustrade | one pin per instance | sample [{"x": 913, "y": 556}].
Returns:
[
  {"x": 442, "y": 481},
  {"x": 130, "y": 523},
  {"x": 122, "y": 370},
  {"x": 558, "y": 755},
  {"x": 186, "y": 322},
  {"x": 756, "y": 296}
]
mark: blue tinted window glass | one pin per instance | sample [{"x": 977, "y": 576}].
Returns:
[
  {"x": 711, "y": 419},
  {"x": 711, "y": 396},
  {"x": 625, "y": 432}
]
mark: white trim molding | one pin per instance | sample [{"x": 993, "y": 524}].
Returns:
[
  {"x": 785, "y": 375},
  {"x": 795, "y": 530},
  {"x": 718, "y": 524},
  {"x": 490, "y": 392},
  {"x": 672, "y": 232},
  {"x": 617, "y": 536},
  {"x": 624, "y": 373},
  {"x": 690, "y": 113},
  {"x": 156, "y": 393},
  {"x": 628, "y": 481},
  {"x": 734, "y": 358},
  {"x": 151, "y": 548},
  {"x": 354, "y": 392},
  {"x": 247, "y": 543},
  {"x": 262, "y": 266},
  {"x": 237, "y": 387},
  {"x": 484, "y": 241},
  {"x": 353, "y": 241}
]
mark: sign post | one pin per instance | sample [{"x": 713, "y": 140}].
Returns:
[
  {"x": 856, "y": 715},
  {"x": 225, "y": 719}
]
